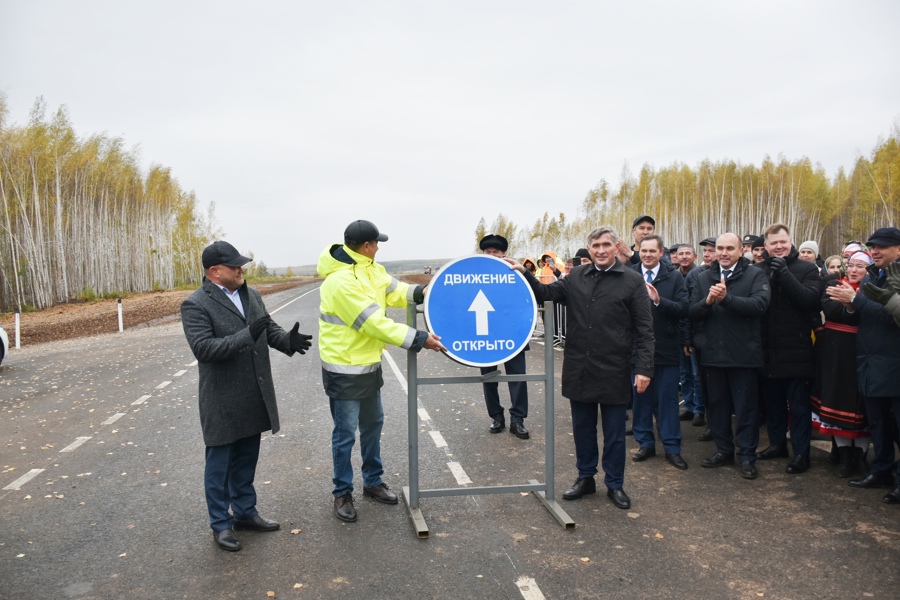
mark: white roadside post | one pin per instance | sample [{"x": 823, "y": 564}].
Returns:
[
  {"x": 120, "y": 315},
  {"x": 18, "y": 322}
]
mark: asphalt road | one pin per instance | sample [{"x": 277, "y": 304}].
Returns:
[{"x": 122, "y": 515}]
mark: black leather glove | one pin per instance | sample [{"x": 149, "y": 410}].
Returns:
[
  {"x": 877, "y": 294},
  {"x": 258, "y": 326},
  {"x": 300, "y": 342},
  {"x": 778, "y": 266},
  {"x": 892, "y": 272}
]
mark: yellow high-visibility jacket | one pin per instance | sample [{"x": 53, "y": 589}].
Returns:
[{"x": 353, "y": 326}]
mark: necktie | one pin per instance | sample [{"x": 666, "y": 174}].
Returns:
[
  {"x": 726, "y": 273},
  {"x": 649, "y": 276}
]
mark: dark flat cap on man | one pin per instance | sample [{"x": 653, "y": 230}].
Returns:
[
  {"x": 361, "y": 231},
  {"x": 223, "y": 253},
  {"x": 885, "y": 236},
  {"x": 710, "y": 241},
  {"x": 643, "y": 218},
  {"x": 492, "y": 240}
]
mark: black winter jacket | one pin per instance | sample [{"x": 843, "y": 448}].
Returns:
[
  {"x": 877, "y": 344},
  {"x": 728, "y": 333},
  {"x": 670, "y": 328},
  {"x": 608, "y": 319},
  {"x": 792, "y": 315}
]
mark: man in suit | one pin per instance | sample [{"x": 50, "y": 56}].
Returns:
[
  {"x": 496, "y": 245},
  {"x": 230, "y": 332}
]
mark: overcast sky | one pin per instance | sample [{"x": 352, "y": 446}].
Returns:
[{"x": 297, "y": 117}]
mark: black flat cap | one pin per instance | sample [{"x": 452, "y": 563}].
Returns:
[
  {"x": 710, "y": 241},
  {"x": 885, "y": 236},
  {"x": 643, "y": 218}
]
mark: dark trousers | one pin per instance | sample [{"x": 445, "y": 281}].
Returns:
[
  {"x": 733, "y": 390},
  {"x": 878, "y": 413},
  {"x": 587, "y": 453},
  {"x": 783, "y": 396},
  {"x": 689, "y": 379},
  {"x": 228, "y": 480},
  {"x": 660, "y": 401},
  {"x": 518, "y": 391}
]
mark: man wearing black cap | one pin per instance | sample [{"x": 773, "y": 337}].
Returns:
[
  {"x": 353, "y": 332},
  {"x": 496, "y": 245},
  {"x": 230, "y": 333},
  {"x": 747, "y": 246},
  {"x": 877, "y": 360},
  {"x": 643, "y": 226}
]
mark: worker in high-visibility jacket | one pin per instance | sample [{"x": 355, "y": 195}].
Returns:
[{"x": 353, "y": 332}]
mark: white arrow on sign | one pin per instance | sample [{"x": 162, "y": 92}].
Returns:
[{"x": 481, "y": 306}]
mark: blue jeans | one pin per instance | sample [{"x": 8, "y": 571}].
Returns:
[
  {"x": 659, "y": 400},
  {"x": 228, "y": 479},
  {"x": 587, "y": 452},
  {"x": 347, "y": 415},
  {"x": 691, "y": 388}
]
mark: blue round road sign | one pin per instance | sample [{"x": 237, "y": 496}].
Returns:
[{"x": 483, "y": 311}]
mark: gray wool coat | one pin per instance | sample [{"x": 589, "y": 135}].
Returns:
[{"x": 237, "y": 396}]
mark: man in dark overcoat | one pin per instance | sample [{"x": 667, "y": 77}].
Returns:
[
  {"x": 609, "y": 321},
  {"x": 230, "y": 332}
]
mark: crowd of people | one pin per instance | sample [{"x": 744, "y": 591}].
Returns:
[{"x": 758, "y": 331}]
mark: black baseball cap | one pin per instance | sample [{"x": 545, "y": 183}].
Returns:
[
  {"x": 710, "y": 241},
  {"x": 493, "y": 240},
  {"x": 223, "y": 253},
  {"x": 359, "y": 232},
  {"x": 886, "y": 236},
  {"x": 643, "y": 218}
]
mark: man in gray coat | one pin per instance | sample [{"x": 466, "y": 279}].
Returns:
[{"x": 230, "y": 332}]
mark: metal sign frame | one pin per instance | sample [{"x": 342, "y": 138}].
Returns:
[{"x": 545, "y": 492}]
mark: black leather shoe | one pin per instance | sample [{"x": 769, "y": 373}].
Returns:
[
  {"x": 518, "y": 430},
  {"x": 772, "y": 452},
  {"x": 699, "y": 420},
  {"x": 344, "y": 509},
  {"x": 226, "y": 540},
  {"x": 643, "y": 454},
  {"x": 686, "y": 415},
  {"x": 619, "y": 498},
  {"x": 676, "y": 461},
  {"x": 872, "y": 480},
  {"x": 381, "y": 493},
  {"x": 893, "y": 497},
  {"x": 717, "y": 460},
  {"x": 800, "y": 464},
  {"x": 257, "y": 523},
  {"x": 498, "y": 425},
  {"x": 706, "y": 436},
  {"x": 582, "y": 486},
  {"x": 748, "y": 470}
]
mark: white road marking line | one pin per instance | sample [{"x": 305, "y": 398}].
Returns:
[
  {"x": 113, "y": 418},
  {"x": 163, "y": 384},
  {"x": 141, "y": 400},
  {"x": 423, "y": 414},
  {"x": 294, "y": 300},
  {"x": 529, "y": 589},
  {"x": 459, "y": 473},
  {"x": 180, "y": 373},
  {"x": 396, "y": 371},
  {"x": 193, "y": 364},
  {"x": 438, "y": 439},
  {"x": 24, "y": 479},
  {"x": 78, "y": 441}
]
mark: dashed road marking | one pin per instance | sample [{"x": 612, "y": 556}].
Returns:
[
  {"x": 423, "y": 414},
  {"x": 163, "y": 385},
  {"x": 78, "y": 441},
  {"x": 438, "y": 439},
  {"x": 286, "y": 304},
  {"x": 180, "y": 373},
  {"x": 193, "y": 364},
  {"x": 529, "y": 589},
  {"x": 113, "y": 418},
  {"x": 24, "y": 479},
  {"x": 459, "y": 473},
  {"x": 141, "y": 400}
]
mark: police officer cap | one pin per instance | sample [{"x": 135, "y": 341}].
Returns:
[
  {"x": 223, "y": 253},
  {"x": 748, "y": 239},
  {"x": 493, "y": 240},
  {"x": 360, "y": 232}
]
